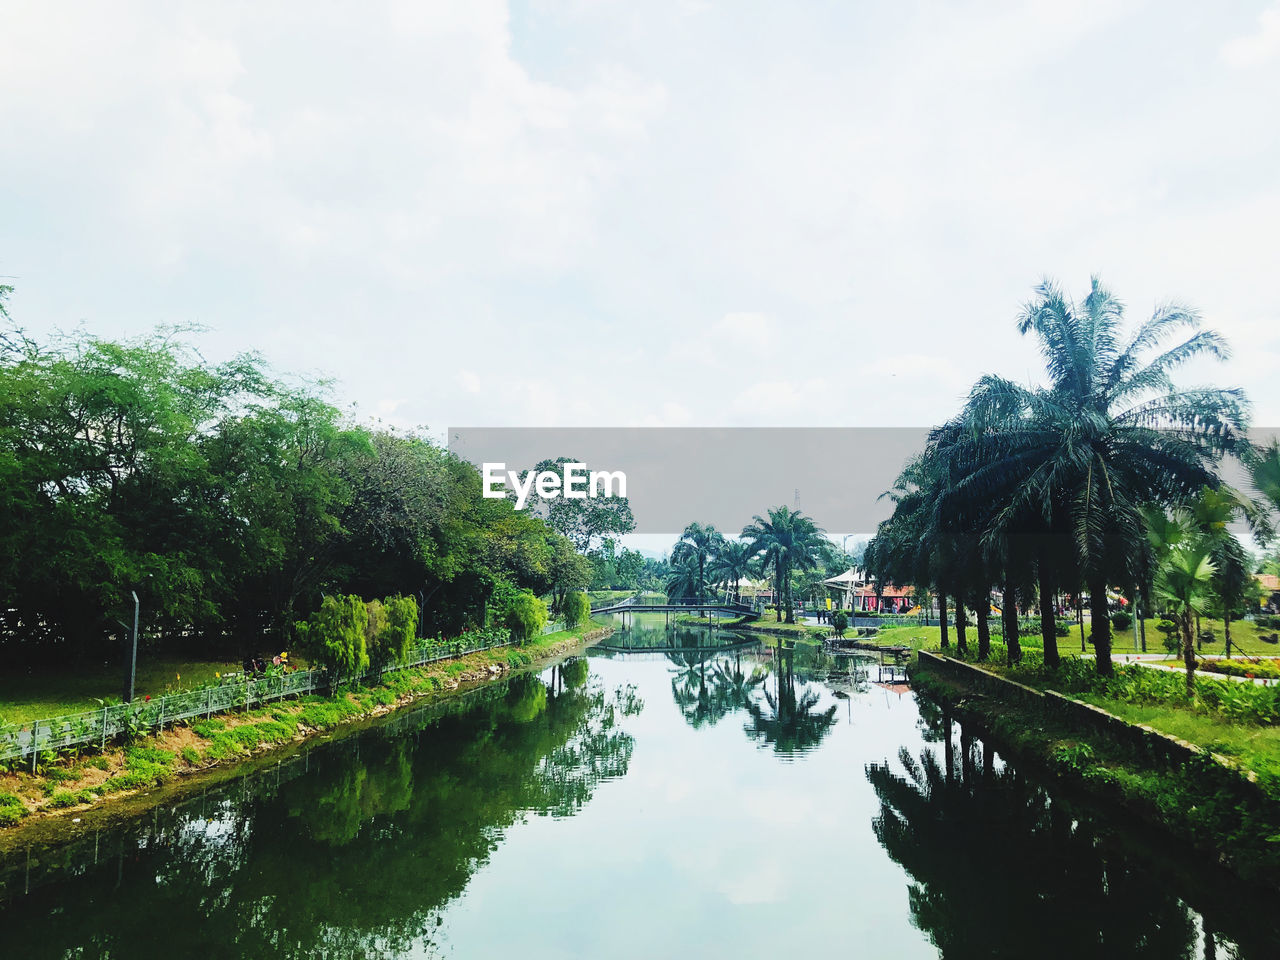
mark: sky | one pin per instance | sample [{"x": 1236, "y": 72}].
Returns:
[{"x": 598, "y": 213}]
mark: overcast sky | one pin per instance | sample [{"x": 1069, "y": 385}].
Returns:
[{"x": 621, "y": 213}]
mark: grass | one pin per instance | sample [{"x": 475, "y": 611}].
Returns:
[{"x": 51, "y": 692}]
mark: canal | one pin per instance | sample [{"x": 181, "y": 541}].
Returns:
[{"x": 702, "y": 798}]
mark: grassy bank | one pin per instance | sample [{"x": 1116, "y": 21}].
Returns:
[
  {"x": 33, "y": 694},
  {"x": 89, "y": 777},
  {"x": 1201, "y": 805}
]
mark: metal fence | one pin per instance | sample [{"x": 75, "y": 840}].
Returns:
[{"x": 96, "y": 727}]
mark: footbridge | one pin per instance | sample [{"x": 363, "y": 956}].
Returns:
[{"x": 679, "y": 604}]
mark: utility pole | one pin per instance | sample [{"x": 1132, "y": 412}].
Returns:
[{"x": 131, "y": 661}]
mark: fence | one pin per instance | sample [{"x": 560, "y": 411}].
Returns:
[{"x": 100, "y": 725}]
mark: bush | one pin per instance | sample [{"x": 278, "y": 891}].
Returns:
[
  {"x": 526, "y": 616},
  {"x": 1122, "y": 620},
  {"x": 12, "y": 809},
  {"x": 390, "y": 629},
  {"x": 335, "y": 636},
  {"x": 1061, "y": 629},
  {"x": 1169, "y": 635},
  {"x": 576, "y": 608},
  {"x": 840, "y": 622}
]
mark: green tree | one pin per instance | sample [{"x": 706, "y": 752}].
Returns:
[
  {"x": 336, "y": 635},
  {"x": 788, "y": 540},
  {"x": 526, "y": 616},
  {"x": 699, "y": 543},
  {"x": 576, "y": 609},
  {"x": 732, "y": 563}
]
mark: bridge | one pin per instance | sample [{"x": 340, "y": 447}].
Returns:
[{"x": 678, "y": 604}]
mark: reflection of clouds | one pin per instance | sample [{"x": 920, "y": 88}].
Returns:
[{"x": 761, "y": 884}]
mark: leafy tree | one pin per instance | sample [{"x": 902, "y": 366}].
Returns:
[
  {"x": 526, "y": 616},
  {"x": 337, "y": 636},
  {"x": 699, "y": 543},
  {"x": 585, "y": 521},
  {"x": 576, "y": 609}
]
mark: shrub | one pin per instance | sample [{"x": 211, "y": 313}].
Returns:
[
  {"x": 335, "y": 636},
  {"x": 1169, "y": 635},
  {"x": 1122, "y": 620},
  {"x": 1061, "y": 629},
  {"x": 12, "y": 809},
  {"x": 576, "y": 608},
  {"x": 840, "y": 622},
  {"x": 389, "y": 630},
  {"x": 526, "y": 616}
]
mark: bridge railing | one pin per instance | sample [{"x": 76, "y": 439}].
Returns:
[{"x": 690, "y": 602}]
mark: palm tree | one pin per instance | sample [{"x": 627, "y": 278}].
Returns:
[
  {"x": 1184, "y": 582},
  {"x": 699, "y": 542},
  {"x": 1264, "y": 465},
  {"x": 1111, "y": 432},
  {"x": 685, "y": 580},
  {"x": 789, "y": 541},
  {"x": 731, "y": 564}
]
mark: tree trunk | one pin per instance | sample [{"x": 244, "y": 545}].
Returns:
[
  {"x": 982, "y": 612},
  {"x": 962, "y": 642},
  {"x": 942, "y": 618},
  {"x": 791, "y": 615},
  {"x": 1100, "y": 627},
  {"x": 1226, "y": 628},
  {"x": 1189, "y": 654},
  {"x": 1009, "y": 616},
  {"x": 1048, "y": 628},
  {"x": 1141, "y": 613},
  {"x": 1199, "y": 641}
]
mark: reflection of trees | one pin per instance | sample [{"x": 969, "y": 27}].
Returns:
[
  {"x": 789, "y": 717},
  {"x": 356, "y": 856},
  {"x": 1000, "y": 869}
]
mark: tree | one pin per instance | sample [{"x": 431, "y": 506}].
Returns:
[
  {"x": 586, "y": 520},
  {"x": 1110, "y": 433},
  {"x": 731, "y": 565},
  {"x": 575, "y": 609},
  {"x": 1184, "y": 582},
  {"x": 336, "y": 635},
  {"x": 526, "y": 616},
  {"x": 788, "y": 540},
  {"x": 698, "y": 543}
]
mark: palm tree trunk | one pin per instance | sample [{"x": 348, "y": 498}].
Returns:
[
  {"x": 982, "y": 611},
  {"x": 1199, "y": 641},
  {"x": 1226, "y": 627},
  {"x": 942, "y": 617},
  {"x": 1141, "y": 613},
  {"x": 1009, "y": 616},
  {"x": 1189, "y": 654},
  {"x": 1100, "y": 627},
  {"x": 962, "y": 642},
  {"x": 1048, "y": 629}
]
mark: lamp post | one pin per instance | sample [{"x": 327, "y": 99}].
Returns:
[{"x": 131, "y": 661}]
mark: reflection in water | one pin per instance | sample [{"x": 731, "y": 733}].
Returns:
[
  {"x": 481, "y": 828},
  {"x": 997, "y": 863},
  {"x": 353, "y": 856}
]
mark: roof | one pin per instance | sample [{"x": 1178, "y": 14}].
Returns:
[{"x": 1269, "y": 581}]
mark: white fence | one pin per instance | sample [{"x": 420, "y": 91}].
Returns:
[{"x": 96, "y": 727}]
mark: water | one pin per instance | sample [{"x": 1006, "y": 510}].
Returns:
[{"x": 685, "y": 803}]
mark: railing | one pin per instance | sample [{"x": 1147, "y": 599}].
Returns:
[
  {"x": 101, "y": 725},
  {"x": 673, "y": 602}
]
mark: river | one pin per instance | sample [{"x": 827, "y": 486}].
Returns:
[{"x": 685, "y": 802}]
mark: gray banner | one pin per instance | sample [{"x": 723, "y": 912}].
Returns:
[{"x": 725, "y": 476}]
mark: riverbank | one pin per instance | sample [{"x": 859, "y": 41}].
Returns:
[
  {"x": 1204, "y": 802},
  {"x": 94, "y": 779}
]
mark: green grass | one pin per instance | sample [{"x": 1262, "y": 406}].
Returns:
[
  {"x": 1258, "y": 747},
  {"x": 51, "y": 692}
]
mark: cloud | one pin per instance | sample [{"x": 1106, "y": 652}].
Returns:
[{"x": 1258, "y": 47}]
